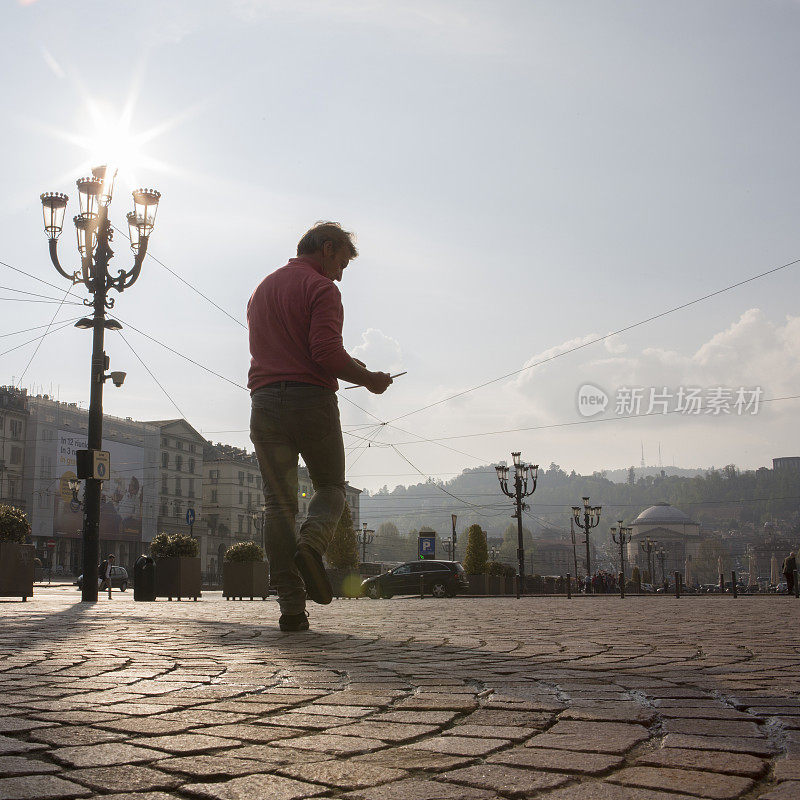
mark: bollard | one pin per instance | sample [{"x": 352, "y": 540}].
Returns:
[
  {"x": 722, "y": 582},
  {"x": 677, "y": 584},
  {"x": 516, "y": 585},
  {"x": 421, "y": 587},
  {"x": 796, "y": 586},
  {"x": 735, "y": 588},
  {"x": 569, "y": 586},
  {"x": 621, "y": 579}
]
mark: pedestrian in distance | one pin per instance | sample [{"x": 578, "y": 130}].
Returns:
[
  {"x": 789, "y": 568},
  {"x": 104, "y": 573},
  {"x": 295, "y": 318}
]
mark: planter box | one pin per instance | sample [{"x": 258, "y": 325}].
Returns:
[
  {"x": 16, "y": 570},
  {"x": 244, "y": 579},
  {"x": 178, "y": 577}
]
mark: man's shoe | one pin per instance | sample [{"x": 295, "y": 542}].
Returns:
[
  {"x": 309, "y": 563},
  {"x": 293, "y": 623}
]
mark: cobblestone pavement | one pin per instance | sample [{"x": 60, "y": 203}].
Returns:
[{"x": 594, "y": 698}]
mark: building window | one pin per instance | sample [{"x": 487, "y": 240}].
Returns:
[
  {"x": 44, "y": 500},
  {"x": 191, "y": 487},
  {"x": 178, "y": 491},
  {"x": 178, "y": 509},
  {"x": 250, "y": 478},
  {"x": 214, "y": 475},
  {"x": 213, "y": 495},
  {"x": 241, "y": 479},
  {"x": 45, "y": 468},
  {"x": 15, "y": 428},
  {"x": 165, "y": 460},
  {"x": 164, "y": 487},
  {"x": 191, "y": 464},
  {"x": 178, "y": 463},
  {"x": 12, "y": 489},
  {"x": 16, "y": 455},
  {"x": 241, "y": 498},
  {"x": 164, "y": 441},
  {"x": 2, "y": 424},
  {"x": 164, "y": 510},
  {"x": 241, "y": 523},
  {"x": 191, "y": 448},
  {"x": 179, "y": 444}
]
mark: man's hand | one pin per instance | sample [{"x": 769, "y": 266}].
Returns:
[
  {"x": 378, "y": 382},
  {"x": 360, "y": 363}
]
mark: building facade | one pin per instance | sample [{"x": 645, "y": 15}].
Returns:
[
  {"x": 673, "y": 530},
  {"x": 13, "y": 426},
  {"x": 128, "y": 505}
]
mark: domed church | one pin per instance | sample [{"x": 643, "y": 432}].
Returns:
[{"x": 672, "y": 530}]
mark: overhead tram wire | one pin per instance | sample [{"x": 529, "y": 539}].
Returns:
[
  {"x": 185, "y": 282},
  {"x": 150, "y": 373},
  {"x": 41, "y": 339},
  {"x": 595, "y": 421},
  {"x": 28, "y": 330},
  {"x": 30, "y": 275},
  {"x": 598, "y": 339}
]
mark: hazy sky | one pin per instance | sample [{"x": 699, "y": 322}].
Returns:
[{"x": 522, "y": 177}]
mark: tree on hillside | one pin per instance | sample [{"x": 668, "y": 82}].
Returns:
[
  {"x": 508, "y": 550},
  {"x": 390, "y": 544},
  {"x": 343, "y": 550},
  {"x": 477, "y": 551},
  {"x": 706, "y": 565}
]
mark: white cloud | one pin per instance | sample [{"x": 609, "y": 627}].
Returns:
[{"x": 379, "y": 351}]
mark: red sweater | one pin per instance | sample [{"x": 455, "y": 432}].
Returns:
[{"x": 295, "y": 319}]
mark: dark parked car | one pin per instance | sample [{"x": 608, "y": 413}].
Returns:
[
  {"x": 439, "y": 578},
  {"x": 119, "y": 579}
]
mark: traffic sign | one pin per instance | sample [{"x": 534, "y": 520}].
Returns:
[
  {"x": 426, "y": 547},
  {"x": 101, "y": 464},
  {"x": 51, "y": 543},
  {"x": 190, "y": 516}
]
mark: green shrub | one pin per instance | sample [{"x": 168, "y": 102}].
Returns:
[
  {"x": 244, "y": 552},
  {"x": 174, "y": 545},
  {"x": 14, "y": 525},
  {"x": 502, "y": 570},
  {"x": 477, "y": 551}
]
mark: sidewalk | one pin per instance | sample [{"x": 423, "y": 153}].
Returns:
[{"x": 405, "y": 699}]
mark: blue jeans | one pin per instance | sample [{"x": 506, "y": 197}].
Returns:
[{"x": 287, "y": 421}]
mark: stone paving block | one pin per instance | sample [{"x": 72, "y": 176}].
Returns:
[
  {"x": 250, "y": 733},
  {"x": 141, "y": 796},
  {"x": 460, "y": 745},
  {"x": 417, "y": 789},
  {"x": 405, "y": 758},
  {"x": 713, "y": 727},
  {"x": 611, "y": 791},
  {"x": 180, "y": 743},
  {"x": 197, "y": 717},
  {"x": 16, "y": 765},
  {"x": 512, "y": 732},
  {"x": 789, "y": 790},
  {"x": 104, "y": 754},
  {"x": 704, "y": 784},
  {"x": 332, "y": 743},
  {"x": 10, "y": 746},
  {"x": 270, "y": 756},
  {"x": 709, "y": 760},
  {"x": 618, "y": 712},
  {"x": 506, "y": 779},
  {"x": 439, "y": 702},
  {"x": 705, "y": 713},
  {"x": 327, "y": 709},
  {"x": 526, "y": 719},
  {"x": 70, "y": 735},
  {"x": 40, "y": 787},
  {"x": 211, "y": 766},
  {"x": 342, "y": 774},
  {"x": 755, "y": 747},
  {"x": 154, "y": 726},
  {"x": 124, "y": 778},
  {"x": 601, "y": 737},
  {"x": 386, "y": 731},
  {"x": 273, "y": 787},
  {"x": 416, "y": 717},
  {"x": 787, "y": 769},
  {"x": 558, "y": 760},
  {"x": 312, "y": 721},
  {"x": 21, "y": 725}
]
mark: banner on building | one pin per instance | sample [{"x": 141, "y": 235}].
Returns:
[{"x": 121, "y": 495}]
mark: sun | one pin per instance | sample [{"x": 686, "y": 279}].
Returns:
[{"x": 112, "y": 142}]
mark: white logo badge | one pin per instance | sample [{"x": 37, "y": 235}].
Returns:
[{"x": 591, "y": 400}]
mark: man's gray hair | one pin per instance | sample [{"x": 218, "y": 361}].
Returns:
[{"x": 314, "y": 238}]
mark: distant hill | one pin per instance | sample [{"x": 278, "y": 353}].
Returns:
[{"x": 621, "y": 475}]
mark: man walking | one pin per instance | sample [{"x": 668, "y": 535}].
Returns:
[{"x": 295, "y": 319}]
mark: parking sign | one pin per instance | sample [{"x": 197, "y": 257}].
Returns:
[{"x": 427, "y": 547}]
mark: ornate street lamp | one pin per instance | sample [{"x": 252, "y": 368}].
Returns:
[
  {"x": 453, "y": 518},
  {"x": 523, "y": 473},
  {"x": 649, "y": 545},
  {"x": 591, "y": 519},
  {"x": 364, "y": 538},
  {"x": 258, "y": 516},
  {"x": 624, "y": 538},
  {"x": 94, "y": 234}
]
